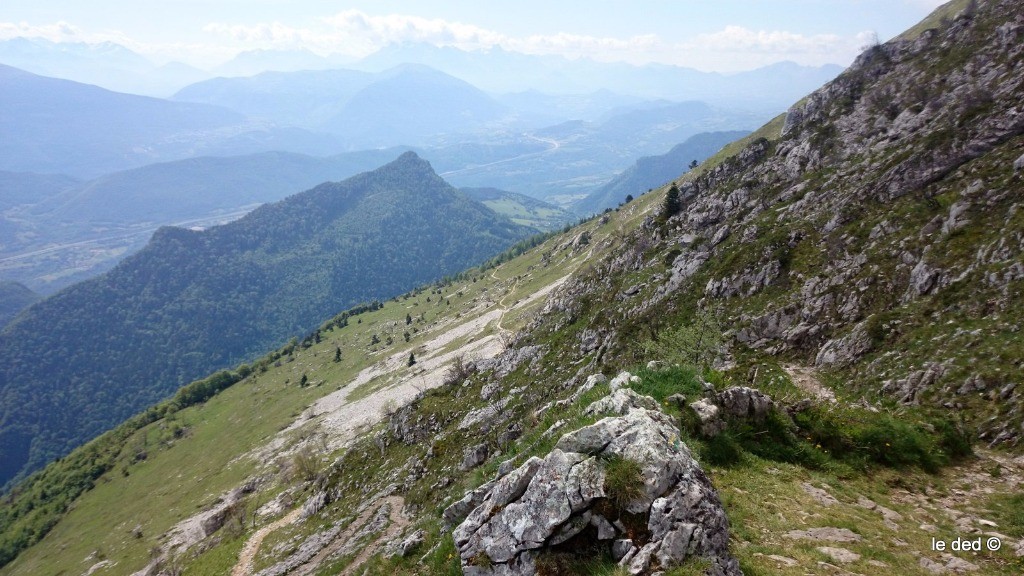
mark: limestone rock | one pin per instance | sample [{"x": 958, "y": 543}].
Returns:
[
  {"x": 824, "y": 534},
  {"x": 315, "y": 503},
  {"x": 923, "y": 279},
  {"x": 620, "y": 548},
  {"x": 620, "y": 402},
  {"x": 846, "y": 350},
  {"x": 841, "y": 555},
  {"x": 821, "y": 496},
  {"x": 743, "y": 402},
  {"x": 708, "y": 414},
  {"x": 410, "y": 543},
  {"x": 623, "y": 379},
  {"x": 546, "y": 503},
  {"x": 474, "y": 456}
]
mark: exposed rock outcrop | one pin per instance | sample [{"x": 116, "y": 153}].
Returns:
[
  {"x": 546, "y": 505},
  {"x": 736, "y": 403}
]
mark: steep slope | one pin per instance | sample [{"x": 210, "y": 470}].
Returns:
[
  {"x": 654, "y": 171},
  {"x": 193, "y": 301}
]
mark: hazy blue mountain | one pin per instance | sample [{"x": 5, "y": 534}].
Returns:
[
  {"x": 413, "y": 105},
  {"x": 408, "y": 104},
  {"x": 190, "y": 302},
  {"x": 105, "y": 64},
  {"x": 253, "y": 62},
  {"x": 306, "y": 98},
  {"x": 60, "y": 230},
  {"x": 18, "y": 188},
  {"x": 53, "y": 125},
  {"x": 14, "y": 297},
  {"x": 654, "y": 171},
  {"x": 500, "y": 71}
]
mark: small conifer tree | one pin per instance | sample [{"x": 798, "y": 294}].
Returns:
[{"x": 672, "y": 204}]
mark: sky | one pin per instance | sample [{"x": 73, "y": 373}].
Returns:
[{"x": 723, "y": 35}]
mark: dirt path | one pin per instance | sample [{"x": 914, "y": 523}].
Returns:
[
  {"x": 245, "y": 558},
  {"x": 396, "y": 523},
  {"x": 501, "y": 301},
  {"x": 806, "y": 379}
]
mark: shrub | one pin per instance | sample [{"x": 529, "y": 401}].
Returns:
[
  {"x": 305, "y": 464},
  {"x": 459, "y": 371},
  {"x": 697, "y": 342}
]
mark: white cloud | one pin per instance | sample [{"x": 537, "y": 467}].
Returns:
[
  {"x": 57, "y": 32},
  {"x": 722, "y": 50},
  {"x": 356, "y": 33},
  {"x": 740, "y": 39}
]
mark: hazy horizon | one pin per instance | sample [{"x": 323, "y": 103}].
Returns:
[{"x": 728, "y": 36}]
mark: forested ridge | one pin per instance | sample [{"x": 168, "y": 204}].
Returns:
[{"x": 195, "y": 301}]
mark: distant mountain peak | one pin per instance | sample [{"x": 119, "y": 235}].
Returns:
[{"x": 411, "y": 158}]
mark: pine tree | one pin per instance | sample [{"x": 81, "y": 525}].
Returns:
[
  {"x": 412, "y": 359},
  {"x": 337, "y": 354},
  {"x": 303, "y": 381},
  {"x": 408, "y": 318},
  {"x": 672, "y": 205}
]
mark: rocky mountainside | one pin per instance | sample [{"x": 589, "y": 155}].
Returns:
[{"x": 807, "y": 362}]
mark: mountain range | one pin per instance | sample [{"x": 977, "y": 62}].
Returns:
[
  {"x": 105, "y": 64},
  {"x": 59, "y": 126}
]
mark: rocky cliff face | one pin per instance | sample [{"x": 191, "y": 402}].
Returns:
[{"x": 877, "y": 234}]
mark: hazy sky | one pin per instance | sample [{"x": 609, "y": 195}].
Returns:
[{"x": 723, "y": 35}]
